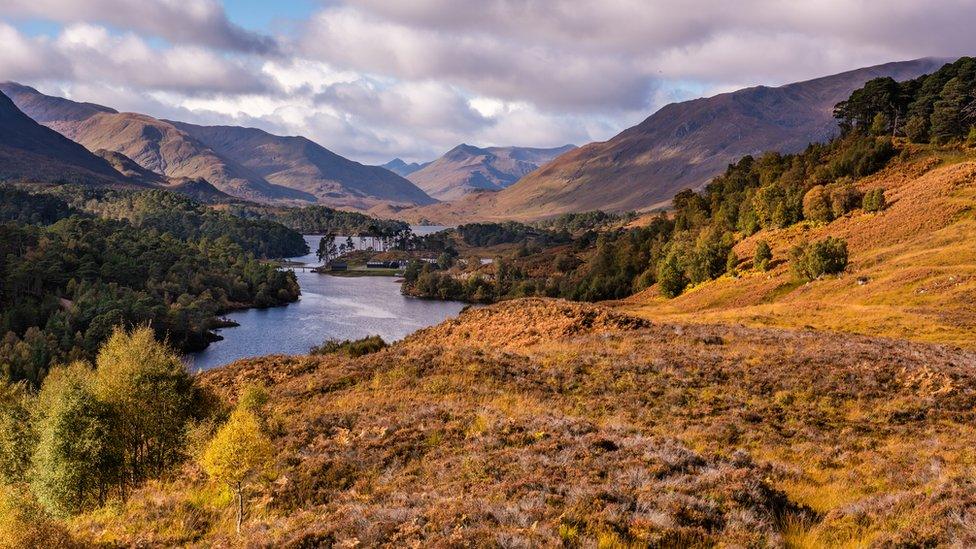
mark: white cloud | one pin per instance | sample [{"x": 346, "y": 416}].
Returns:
[{"x": 201, "y": 22}]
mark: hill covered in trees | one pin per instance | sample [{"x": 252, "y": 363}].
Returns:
[{"x": 70, "y": 278}]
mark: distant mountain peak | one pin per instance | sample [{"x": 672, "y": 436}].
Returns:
[
  {"x": 402, "y": 168},
  {"x": 467, "y": 169}
]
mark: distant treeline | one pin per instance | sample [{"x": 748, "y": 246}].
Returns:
[
  {"x": 321, "y": 220},
  {"x": 184, "y": 218},
  {"x": 692, "y": 245}
]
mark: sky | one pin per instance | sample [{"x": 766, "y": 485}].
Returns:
[{"x": 378, "y": 79}]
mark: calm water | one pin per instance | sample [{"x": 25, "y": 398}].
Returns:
[{"x": 330, "y": 307}]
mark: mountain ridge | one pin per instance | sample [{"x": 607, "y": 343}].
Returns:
[
  {"x": 29, "y": 150},
  {"x": 172, "y": 149},
  {"x": 299, "y": 163}
]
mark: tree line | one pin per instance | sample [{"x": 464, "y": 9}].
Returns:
[{"x": 939, "y": 108}]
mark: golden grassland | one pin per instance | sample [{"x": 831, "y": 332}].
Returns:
[
  {"x": 543, "y": 423},
  {"x": 912, "y": 271}
]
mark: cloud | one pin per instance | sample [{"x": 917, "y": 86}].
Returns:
[
  {"x": 90, "y": 54},
  {"x": 606, "y": 55},
  {"x": 200, "y": 22},
  {"x": 372, "y": 79},
  {"x": 485, "y": 63},
  {"x": 26, "y": 59}
]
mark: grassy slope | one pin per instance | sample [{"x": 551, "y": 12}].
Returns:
[
  {"x": 535, "y": 422},
  {"x": 917, "y": 255}
]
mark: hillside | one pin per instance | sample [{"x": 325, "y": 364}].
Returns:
[
  {"x": 466, "y": 169},
  {"x": 31, "y": 151},
  {"x": 681, "y": 146},
  {"x": 591, "y": 427},
  {"x": 299, "y": 163},
  {"x": 912, "y": 271}
]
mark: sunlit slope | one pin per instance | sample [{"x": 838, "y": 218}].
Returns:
[
  {"x": 912, "y": 270},
  {"x": 542, "y": 423}
]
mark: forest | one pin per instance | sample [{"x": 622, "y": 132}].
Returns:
[
  {"x": 320, "y": 220},
  {"x": 185, "y": 218},
  {"x": 69, "y": 278}
]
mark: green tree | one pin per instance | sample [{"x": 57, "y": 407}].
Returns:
[
  {"x": 917, "y": 129},
  {"x": 880, "y": 124},
  {"x": 671, "y": 277},
  {"x": 76, "y": 460},
  {"x": 811, "y": 261},
  {"x": 844, "y": 197},
  {"x": 971, "y": 137},
  {"x": 149, "y": 386},
  {"x": 946, "y": 116},
  {"x": 17, "y": 435},
  {"x": 732, "y": 263},
  {"x": 238, "y": 454},
  {"x": 327, "y": 248}
]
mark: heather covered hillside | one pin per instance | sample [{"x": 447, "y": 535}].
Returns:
[{"x": 591, "y": 427}]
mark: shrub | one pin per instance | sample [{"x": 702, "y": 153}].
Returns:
[
  {"x": 861, "y": 156},
  {"x": 763, "y": 256},
  {"x": 24, "y": 523},
  {"x": 874, "y": 200},
  {"x": 827, "y": 256},
  {"x": 816, "y": 205},
  {"x": 352, "y": 348},
  {"x": 971, "y": 138},
  {"x": 731, "y": 262}
]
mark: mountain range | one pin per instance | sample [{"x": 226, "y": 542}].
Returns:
[
  {"x": 243, "y": 162},
  {"x": 683, "y": 145},
  {"x": 466, "y": 169}
]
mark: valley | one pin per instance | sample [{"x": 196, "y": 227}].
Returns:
[{"x": 746, "y": 321}]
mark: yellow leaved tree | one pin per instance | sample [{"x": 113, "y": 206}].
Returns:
[{"x": 240, "y": 453}]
